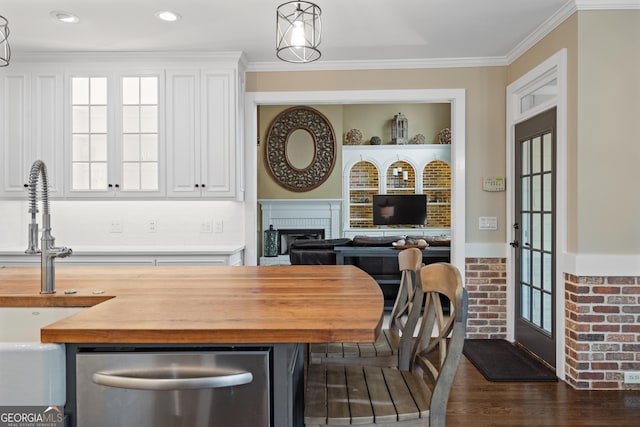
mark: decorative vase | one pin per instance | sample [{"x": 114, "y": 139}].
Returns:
[
  {"x": 375, "y": 140},
  {"x": 271, "y": 242}
]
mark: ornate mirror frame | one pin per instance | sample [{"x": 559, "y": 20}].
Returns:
[{"x": 324, "y": 143}]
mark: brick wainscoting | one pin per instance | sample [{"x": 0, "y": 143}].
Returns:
[
  {"x": 486, "y": 282},
  {"x": 602, "y": 331}
]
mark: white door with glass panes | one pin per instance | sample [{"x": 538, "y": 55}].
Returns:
[{"x": 115, "y": 139}]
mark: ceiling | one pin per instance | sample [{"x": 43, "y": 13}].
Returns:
[{"x": 353, "y": 30}]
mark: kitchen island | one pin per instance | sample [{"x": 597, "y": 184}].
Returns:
[{"x": 273, "y": 309}]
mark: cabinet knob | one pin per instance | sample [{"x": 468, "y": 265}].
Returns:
[
  {"x": 117, "y": 185},
  {"x": 110, "y": 185},
  {"x": 26, "y": 185},
  {"x": 202, "y": 185},
  {"x": 197, "y": 186}
]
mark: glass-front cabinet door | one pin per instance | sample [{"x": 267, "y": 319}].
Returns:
[{"x": 115, "y": 138}]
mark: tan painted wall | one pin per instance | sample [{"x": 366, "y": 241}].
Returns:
[
  {"x": 609, "y": 132},
  {"x": 485, "y": 95},
  {"x": 564, "y": 36}
]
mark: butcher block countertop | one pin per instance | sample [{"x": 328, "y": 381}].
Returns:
[{"x": 184, "y": 304}]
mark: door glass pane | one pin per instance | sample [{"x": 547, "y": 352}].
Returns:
[
  {"x": 149, "y": 119},
  {"x": 525, "y": 266},
  {"x": 98, "y": 119},
  {"x": 98, "y": 91},
  {"x": 526, "y": 230},
  {"x": 547, "y": 152},
  {"x": 130, "y": 90},
  {"x": 80, "y": 148},
  {"x": 80, "y": 90},
  {"x": 525, "y": 302},
  {"x": 525, "y": 157},
  {"x": 547, "y": 272},
  {"x": 98, "y": 176},
  {"x": 526, "y": 193},
  {"x": 131, "y": 148},
  {"x": 536, "y": 269},
  {"x": 536, "y": 161},
  {"x": 131, "y": 176},
  {"x": 99, "y": 148},
  {"x": 547, "y": 189},
  {"x": 547, "y": 243},
  {"x": 149, "y": 148},
  {"x": 547, "y": 313},
  {"x": 80, "y": 174},
  {"x": 148, "y": 176},
  {"x": 536, "y": 193},
  {"x": 79, "y": 119},
  {"x": 536, "y": 231},
  {"x": 536, "y": 301},
  {"x": 149, "y": 90},
  {"x": 130, "y": 119}
]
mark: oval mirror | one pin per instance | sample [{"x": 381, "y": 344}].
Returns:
[{"x": 300, "y": 149}]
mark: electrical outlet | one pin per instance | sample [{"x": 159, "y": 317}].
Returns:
[
  {"x": 152, "y": 226},
  {"x": 632, "y": 377},
  {"x": 218, "y": 226},
  {"x": 116, "y": 226},
  {"x": 206, "y": 227}
]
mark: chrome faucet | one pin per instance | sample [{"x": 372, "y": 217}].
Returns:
[{"x": 49, "y": 252}]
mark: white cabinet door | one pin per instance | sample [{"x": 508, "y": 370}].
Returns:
[
  {"x": 31, "y": 117},
  {"x": 218, "y": 134},
  {"x": 47, "y": 131},
  {"x": 183, "y": 140},
  {"x": 14, "y": 96},
  {"x": 201, "y": 133}
]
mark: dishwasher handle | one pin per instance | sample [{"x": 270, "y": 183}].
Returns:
[{"x": 172, "y": 378}]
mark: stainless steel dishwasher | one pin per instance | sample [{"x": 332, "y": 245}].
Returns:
[{"x": 177, "y": 389}]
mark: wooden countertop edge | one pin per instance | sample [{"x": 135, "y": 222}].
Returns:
[
  {"x": 132, "y": 336},
  {"x": 54, "y": 300}
]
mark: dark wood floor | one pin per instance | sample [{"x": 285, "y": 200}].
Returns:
[{"x": 475, "y": 402}]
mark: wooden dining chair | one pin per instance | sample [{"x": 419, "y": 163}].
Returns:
[
  {"x": 374, "y": 396},
  {"x": 393, "y": 345}
]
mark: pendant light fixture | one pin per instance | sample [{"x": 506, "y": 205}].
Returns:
[
  {"x": 5, "y": 50},
  {"x": 298, "y": 29}
]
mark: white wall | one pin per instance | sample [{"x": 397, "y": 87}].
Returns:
[{"x": 86, "y": 224}]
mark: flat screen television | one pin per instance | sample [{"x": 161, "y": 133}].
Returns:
[{"x": 399, "y": 209}]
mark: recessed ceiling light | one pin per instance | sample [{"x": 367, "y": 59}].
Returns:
[
  {"x": 66, "y": 17},
  {"x": 167, "y": 15}
]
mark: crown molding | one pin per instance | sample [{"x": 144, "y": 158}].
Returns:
[
  {"x": 607, "y": 4},
  {"x": 542, "y": 31},
  {"x": 561, "y": 15},
  {"x": 119, "y": 56},
  {"x": 391, "y": 64}
]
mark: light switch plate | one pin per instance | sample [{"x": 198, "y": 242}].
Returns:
[{"x": 488, "y": 223}]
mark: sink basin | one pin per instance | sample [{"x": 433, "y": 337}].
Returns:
[{"x": 31, "y": 373}]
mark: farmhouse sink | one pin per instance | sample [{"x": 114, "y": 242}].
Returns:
[{"x": 31, "y": 373}]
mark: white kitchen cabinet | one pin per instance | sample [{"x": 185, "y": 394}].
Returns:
[
  {"x": 202, "y": 133},
  {"x": 31, "y": 122},
  {"x": 114, "y": 144}
]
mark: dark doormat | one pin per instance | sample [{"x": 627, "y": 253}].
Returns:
[{"x": 499, "y": 360}]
